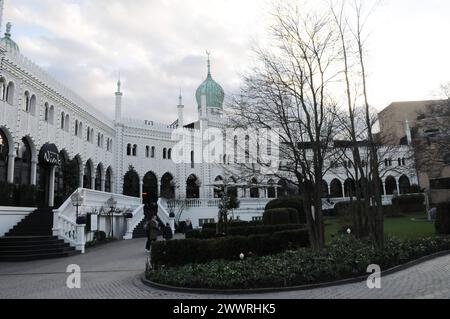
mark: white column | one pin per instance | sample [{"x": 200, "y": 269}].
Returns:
[
  {"x": 102, "y": 183},
  {"x": 33, "y": 172},
  {"x": 93, "y": 181},
  {"x": 384, "y": 188},
  {"x": 343, "y": 190},
  {"x": 398, "y": 186},
  {"x": 11, "y": 159},
  {"x": 51, "y": 191},
  {"x": 141, "y": 187},
  {"x": 81, "y": 180}
]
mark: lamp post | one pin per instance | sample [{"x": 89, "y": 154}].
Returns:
[
  {"x": 112, "y": 204},
  {"x": 77, "y": 201}
]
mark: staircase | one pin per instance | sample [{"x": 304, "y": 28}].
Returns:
[
  {"x": 32, "y": 239},
  {"x": 139, "y": 231}
]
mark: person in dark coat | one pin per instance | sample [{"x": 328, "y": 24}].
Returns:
[
  {"x": 152, "y": 229},
  {"x": 167, "y": 233}
]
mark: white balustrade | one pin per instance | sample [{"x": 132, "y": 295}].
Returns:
[{"x": 132, "y": 223}]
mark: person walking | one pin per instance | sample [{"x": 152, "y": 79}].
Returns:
[
  {"x": 167, "y": 233},
  {"x": 152, "y": 230}
]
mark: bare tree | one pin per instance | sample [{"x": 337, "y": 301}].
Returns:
[{"x": 290, "y": 91}]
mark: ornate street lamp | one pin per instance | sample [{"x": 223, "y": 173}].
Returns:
[
  {"x": 112, "y": 203},
  {"x": 77, "y": 201}
]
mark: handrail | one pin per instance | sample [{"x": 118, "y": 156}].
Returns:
[
  {"x": 132, "y": 223},
  {"x": 163, "y": 215}
]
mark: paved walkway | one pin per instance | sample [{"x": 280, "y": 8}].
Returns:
[{"x": 114, "y": 271}]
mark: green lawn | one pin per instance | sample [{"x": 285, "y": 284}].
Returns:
[{"x": 403, "y": 227}]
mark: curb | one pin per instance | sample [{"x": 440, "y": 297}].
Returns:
[{"x": 294, "y": 288}]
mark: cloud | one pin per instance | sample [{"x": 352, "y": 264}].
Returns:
[{"x": 159, "y": 47}]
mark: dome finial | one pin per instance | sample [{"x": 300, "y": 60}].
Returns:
[
  {"x": 8, "y": 29},
  {"x": 209, "y": 62},
  {"x": 118, "y": 84},
  {"x": 180, "y": 98}
]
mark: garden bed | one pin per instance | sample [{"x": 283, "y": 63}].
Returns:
[{"x": 345, "y": 258}]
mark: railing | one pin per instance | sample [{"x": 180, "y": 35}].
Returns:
[
  {"x": 64, "y": 219},
  {"x": 71, "y": 232},
  {"x": 164, "y": 215},
  {"x": 132, "y": 223}
]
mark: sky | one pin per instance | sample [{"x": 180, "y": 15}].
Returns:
[{"x": 159, "y": 48}]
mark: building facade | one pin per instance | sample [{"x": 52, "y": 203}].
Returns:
[{"x": 53, "y": 139}]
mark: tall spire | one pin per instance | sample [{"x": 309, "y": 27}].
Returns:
[
  {"x": 180, "y": 98},
  {"x": 119, "y": 84},
  {"x": 209, "y": 63},
  {"x": 1, "y": 14}
]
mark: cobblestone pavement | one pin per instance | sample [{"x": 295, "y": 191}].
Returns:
[{"x": 114, "y": 271}]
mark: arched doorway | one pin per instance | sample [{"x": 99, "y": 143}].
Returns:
[
  {"x": 98, "y": 177},
  {"x": 336, "y": 189},
  {"x": 22, "y": 163},
  {"x": 87, "y": 176},
  {"x": 49, "y": 160},
  {"x": 108, "y": 180},
  {"x": 232, "y": 188},
  {"x": 131, "y": 183},
  {"x": 391, "y": 185},
  {"x": 350, "y": 188},
  {"x": 192, "y": 187},
  {"x": 4, "y": 157},
  {"x": 405, "y": 185},
  {"x": 254, "y": 190},
  {"x": 60, "y": 170},
  {"x": 324, "y": 186},
  {"x": 282, "y": 188},
  {"x": 218, "y": 187},
  {"x": 150, "y": 188},
  {"x": 167, "y": 186},
  {"x": 271, "y": 191}
]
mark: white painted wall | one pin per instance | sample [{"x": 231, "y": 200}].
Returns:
[{"x": 11, "y": 216}]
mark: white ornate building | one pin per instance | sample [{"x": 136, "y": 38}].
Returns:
[{"x": 45, "y": 127}]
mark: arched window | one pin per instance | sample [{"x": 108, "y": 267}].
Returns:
[
  {"x": 169, "y": 154},
  {"x": 235, "y": 149},
  {"x": 46, "y": 112},
  {"x": 164, "y": 153},
  {"x": 98, "y": 178},
  {"x": 131, "y": 183},
  {"x": 218, "y": 187},
  {"x": 92, "y": 135},
  {"x": 147, "y": 151},
  {"x": 129, "y": 150},
  {"x": 350, "y": 188},
  {"x": 167, "y": 186},
  {"x": 98, "y": 140},
  {"x": 403, "y": 161},
  {"x": 324, "y": 186},
  {"x": 399, "y": 161},
  {"x": 88, "y": 134},
  {"x": 2, "y": 89},
  {"x": 247, "y": 149},
  {"x": 192, "y": 187},
  {"x": 76, "y": 127},
  {"x": 10, "y": 91},
  {"x": 63, "y": 118},
  {"x": 135, "y": 150},
  {"x": 27, "y": 101},
  {"x": 152, "y": 155}
]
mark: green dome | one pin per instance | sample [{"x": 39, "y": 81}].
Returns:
[
  {"x": 7, "y": 42},
  {"x": 213, "y": 91}
]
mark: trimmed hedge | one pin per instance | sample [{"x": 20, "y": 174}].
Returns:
[
  {"x": 346, "y": 257},
  {"x": 191, "y": 251},
  {"x": 280, "y": 216},
  {"x": 294, "y": 202},
  {"x": 409, "y": 203},
  {"x": 442, "y": 223},
  {"x": 233, "y": 224},
  {"x": 241, "y": 231}
]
